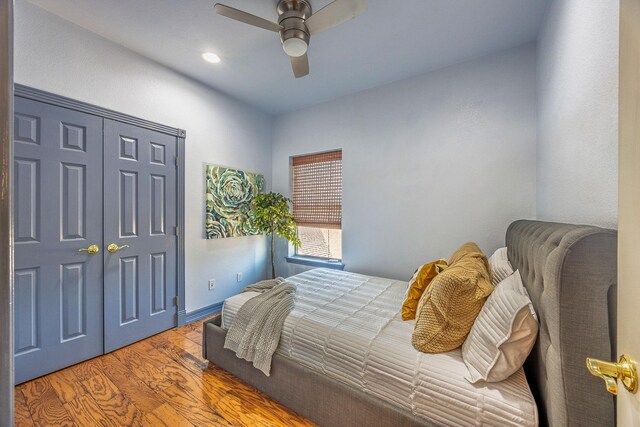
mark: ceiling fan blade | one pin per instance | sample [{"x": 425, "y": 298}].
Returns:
[
  {"x": 300, "y": 65},
  {"x": 247, "y": 18},
  {"x": 335, "y": 14}
]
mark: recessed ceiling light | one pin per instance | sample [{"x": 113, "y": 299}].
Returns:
[{"x": 211, "y": 57}]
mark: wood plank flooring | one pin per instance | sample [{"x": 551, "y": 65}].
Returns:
[{"x": 161, "y": 381}]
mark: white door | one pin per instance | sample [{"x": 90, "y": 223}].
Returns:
[{"x": 629, "y": 204}]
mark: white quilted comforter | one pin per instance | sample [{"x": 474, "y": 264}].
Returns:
[{"x": 349, "y": 327}]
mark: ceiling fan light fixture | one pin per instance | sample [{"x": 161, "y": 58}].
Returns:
[
  {"x": 295, "y": 47},
  {"x": 297, "y": 23},
  {"x": 211, "y": 57}
]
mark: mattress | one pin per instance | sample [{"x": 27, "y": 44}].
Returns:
[{"x": 349, "y": 327}]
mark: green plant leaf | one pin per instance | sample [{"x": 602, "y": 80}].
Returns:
[{"x": 271, "y": 214}]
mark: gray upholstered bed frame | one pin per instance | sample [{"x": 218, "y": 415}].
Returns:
[{"x": 570, "y": 273}]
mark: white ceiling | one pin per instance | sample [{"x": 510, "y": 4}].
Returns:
[{"x": 393, "y": 40}]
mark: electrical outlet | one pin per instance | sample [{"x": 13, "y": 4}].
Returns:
[
  {"x": 239, "y": 277},
  {"x": 212, "y": 284}
]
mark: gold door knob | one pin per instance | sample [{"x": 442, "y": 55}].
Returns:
[
  {"x": 115, "y": 248},
  {"x": 92, "y": 250},
  {"x": 625, "y": 371}
]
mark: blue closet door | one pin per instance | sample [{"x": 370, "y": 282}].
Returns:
[
  {"x": 140, "y": 276},
  {"x": 57, "y": 213}
]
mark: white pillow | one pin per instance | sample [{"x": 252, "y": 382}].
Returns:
[
  {"x": 503, "y": 334},
  {"x": 500, "y": 266}
]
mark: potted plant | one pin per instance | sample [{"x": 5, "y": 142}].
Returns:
[{"x": 271, "y": 215}]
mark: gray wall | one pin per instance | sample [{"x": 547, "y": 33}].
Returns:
[
  {"x": 577, "y": 176},
  {"x": 57, "y": 56},
  {"x": 428, "y": 163}
]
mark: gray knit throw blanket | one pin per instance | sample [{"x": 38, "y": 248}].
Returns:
[{"x": 255, "y": 332}]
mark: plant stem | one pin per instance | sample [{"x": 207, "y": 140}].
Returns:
[{"x": 273, "y": 262}]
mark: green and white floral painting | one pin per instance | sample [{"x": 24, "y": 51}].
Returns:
[{"x": 229, "y": 196}]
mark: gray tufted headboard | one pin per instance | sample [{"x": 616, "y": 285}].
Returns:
[{"x": 570, "y": 273}]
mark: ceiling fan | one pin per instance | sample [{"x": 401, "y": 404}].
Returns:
[{"x": 296, "y": 24}]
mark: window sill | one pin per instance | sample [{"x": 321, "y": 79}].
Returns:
[{"x": 315, "y": 262}]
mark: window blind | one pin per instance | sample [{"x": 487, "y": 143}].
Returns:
[{"x": 317, "y": 190}]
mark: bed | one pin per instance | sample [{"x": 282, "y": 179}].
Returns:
[{"x": 345, "y": 356}]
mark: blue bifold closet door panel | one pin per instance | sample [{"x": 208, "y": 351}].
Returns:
[
  {"x": 58, "y": 205},
  {"x": 140, "y": 281},
  {"x": 95, "y": 216}
]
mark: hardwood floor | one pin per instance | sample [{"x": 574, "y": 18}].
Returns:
[{"x": 161, "y": 381}]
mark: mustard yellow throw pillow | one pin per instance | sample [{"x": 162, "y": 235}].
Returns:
[
  {"x": 417, "y": 285},
  {"x": 453, "y": 300}
]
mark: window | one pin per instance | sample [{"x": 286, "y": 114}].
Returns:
[{"x": 317, "y": 204}]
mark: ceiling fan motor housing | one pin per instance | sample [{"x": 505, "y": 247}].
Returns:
[{"x": 292, "y": 14}]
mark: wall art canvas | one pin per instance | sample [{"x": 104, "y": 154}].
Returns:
[{"x": 229, "y": 196}]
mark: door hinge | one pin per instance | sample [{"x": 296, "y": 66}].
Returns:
[
  {"x": 176, "y": 160},
  {"x": 177, "y": 231},
  {"x": 175, "y": 301}
]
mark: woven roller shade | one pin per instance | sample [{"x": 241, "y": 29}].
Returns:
[{"x": 317, "y": 190}]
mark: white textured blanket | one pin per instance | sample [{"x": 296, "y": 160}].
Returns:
[
  {"x": 256, "y": 329},
  {"x": 349, "y": 327}
]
